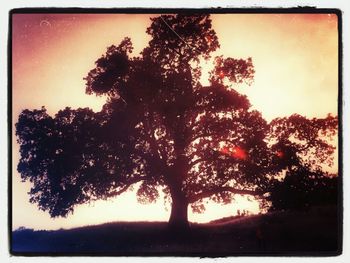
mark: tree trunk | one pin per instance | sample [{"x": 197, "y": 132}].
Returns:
[{"x": 178, "y": 217}]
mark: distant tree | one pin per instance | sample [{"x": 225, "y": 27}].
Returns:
[{"x": 162, "y": 130}]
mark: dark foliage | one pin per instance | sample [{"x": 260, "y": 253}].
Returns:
[
  {"x": 302, "y": 190},
  {"x": 161, "y": 128}
]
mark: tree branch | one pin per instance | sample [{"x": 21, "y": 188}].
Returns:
[
  {"x": 125, "y": 187},
  {"x": 219, "y": 189},
  {"x": 152, "y": 140},
  {"x": 196, "y": 161},
  {"x": 201, "y": 136}
]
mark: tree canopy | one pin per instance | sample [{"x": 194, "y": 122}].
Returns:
[{"x": 163, "y": 129}]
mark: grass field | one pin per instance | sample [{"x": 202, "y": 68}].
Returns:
[{"x": 313, "y": 232}]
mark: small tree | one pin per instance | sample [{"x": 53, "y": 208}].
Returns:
[{"x": 161, "y": 128}]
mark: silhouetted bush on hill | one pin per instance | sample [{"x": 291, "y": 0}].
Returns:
[{"x": 301, "y": 190}]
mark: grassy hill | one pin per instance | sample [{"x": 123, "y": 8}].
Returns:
[{"x": 313, "y": 232}]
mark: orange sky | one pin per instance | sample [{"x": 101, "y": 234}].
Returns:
[{"x": 295, "y": 58}]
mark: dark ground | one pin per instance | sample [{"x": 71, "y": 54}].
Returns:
[{"x": 313, "y": 232}]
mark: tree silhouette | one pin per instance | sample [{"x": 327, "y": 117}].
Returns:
[
  {"x": 162, "y": 130},
  {"x": 302, "y": 189}
]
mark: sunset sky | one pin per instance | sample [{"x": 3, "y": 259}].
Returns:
[{"x": 295, "y": 58}]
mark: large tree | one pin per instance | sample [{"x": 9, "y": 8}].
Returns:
[{"x": 162, "y": 130}]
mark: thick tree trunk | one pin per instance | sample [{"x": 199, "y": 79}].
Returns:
[{"x": 178, "y": 217}]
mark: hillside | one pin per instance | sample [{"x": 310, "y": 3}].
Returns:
[{"x": 313, "y": 232}]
